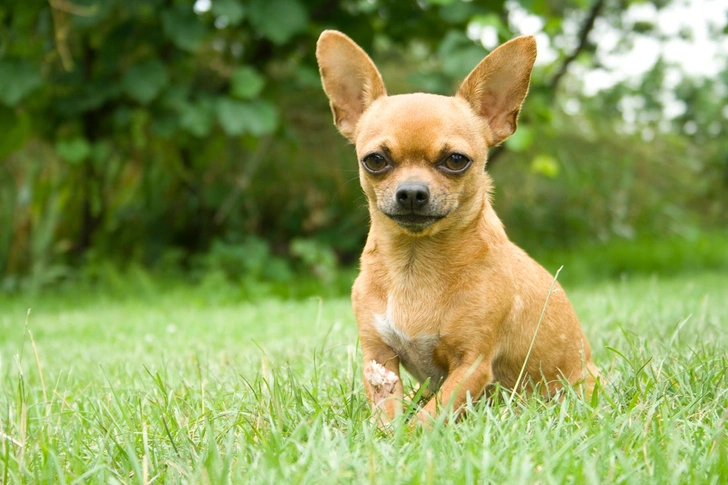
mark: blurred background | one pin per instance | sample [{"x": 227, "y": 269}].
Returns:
[{"x": 192, "y": 140}]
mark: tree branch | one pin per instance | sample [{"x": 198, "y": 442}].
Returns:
[
  {"x": 586, "y": 28},
  {"x": 60, "y": 9}
]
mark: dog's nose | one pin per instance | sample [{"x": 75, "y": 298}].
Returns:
[{"x": 412, "y": 195}]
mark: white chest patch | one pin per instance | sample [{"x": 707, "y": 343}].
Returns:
[{"x": 415, "y": 354}]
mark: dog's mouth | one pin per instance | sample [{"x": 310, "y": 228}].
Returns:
[{"x": 414, "y": 222}]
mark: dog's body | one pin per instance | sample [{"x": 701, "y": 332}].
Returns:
[{"x": 442, "y": 290}]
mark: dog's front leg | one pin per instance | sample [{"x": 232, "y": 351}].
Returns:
[
  {"x": 470, "y": 377},
  {"x": 382, "y": 382}
]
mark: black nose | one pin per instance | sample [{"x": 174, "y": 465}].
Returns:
[{"x": 412, "y": 195}]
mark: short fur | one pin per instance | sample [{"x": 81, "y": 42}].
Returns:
[{"x": 442, "y": 290}]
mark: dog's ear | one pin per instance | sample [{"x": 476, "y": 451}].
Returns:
[
  {"x": 497, "y": 86},
  {"x": 350, "y": 79}
]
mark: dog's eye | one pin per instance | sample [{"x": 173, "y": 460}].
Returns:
[
  {"x": 375, "y": 163},
  {"x": 456, "y": 163}
]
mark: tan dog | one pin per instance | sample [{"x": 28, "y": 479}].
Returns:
[{"x": 442, "y": 290}]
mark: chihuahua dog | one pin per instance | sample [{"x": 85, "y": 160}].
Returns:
[{"x": 442, "y": 291}]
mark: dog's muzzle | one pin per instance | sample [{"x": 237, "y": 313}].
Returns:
[{"x": 413, "y": 209}]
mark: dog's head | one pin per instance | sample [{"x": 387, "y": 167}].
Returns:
[{"x": 422, "y": 156}]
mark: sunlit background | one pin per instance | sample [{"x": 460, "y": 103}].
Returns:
[{"x": 192, "y": 140}]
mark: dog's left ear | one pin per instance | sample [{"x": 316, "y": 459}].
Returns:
[{"x": 497, "y": 86}]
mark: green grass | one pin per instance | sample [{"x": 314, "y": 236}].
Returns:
[{"x": 182, "y": 386}]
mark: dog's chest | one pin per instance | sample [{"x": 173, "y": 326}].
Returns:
[{"x": 415, "y": 353}]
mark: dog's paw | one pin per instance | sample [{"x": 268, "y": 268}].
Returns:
[{"x": 383, "y": 381}]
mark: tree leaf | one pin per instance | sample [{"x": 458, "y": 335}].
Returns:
[
  {"x": 232, "y": 10},
  {"x": 246, "y": 83},
  {"x": 263, "y": 117},
  {"x": 101, "y": 152},
  {"x": 183, "y": 27},
  {"x": 74, "y": 150},
  {"x": 521, "y": 139},
  {"x": 17, "y": 80},
  {"x": 231, "y": 115},
  {"x": 197, "y": 117},
  {"x": 455, "y": 13},
  {"x": 458, "y": 54},
  {"x": 278, "y": 20},
  {"x": 143, "y": 82},
  {"x": 493, "y": 20},
  {"x": 545, "y": 165},
  {"x": 238, "y": 117},
  {"x": 95, "y": 93},
  {"x": 15, "y": 128}
]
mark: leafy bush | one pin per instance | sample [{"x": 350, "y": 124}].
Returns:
[
  {"x": 146, "y": 132},
  {"x": 603, "y": 187}
]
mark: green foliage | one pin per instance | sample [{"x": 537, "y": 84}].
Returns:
[
  {"x": 246, "y": 83},
  {"x": 582, "y": 183},
  {"x": 143, "y": 82},
  {"x": 134, "y": 130},
  {"x": 278, "y": 21},
  {"x": 238, "y": 117},
  {"x": 249, "y": 258},
  {"x": 458, "y": 55},
  {"x": 17, "y": 131},
  {"x": 17, "y": 80},
  {"x": 232, "y": 10},
  {"x": 73, "y": 151},
  {"x": 182, "y": 27},
  {"x": 319, "y": 258},
  {"x": 638, "y": 257},
  {"x": 545, "y": 165},
  {"x": 521, "y": 139}
]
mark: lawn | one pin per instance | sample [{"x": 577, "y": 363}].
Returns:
[{"x": 180, "y": 385}]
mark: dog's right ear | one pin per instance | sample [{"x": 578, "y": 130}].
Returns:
[{"x": 350, "y": 79}]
